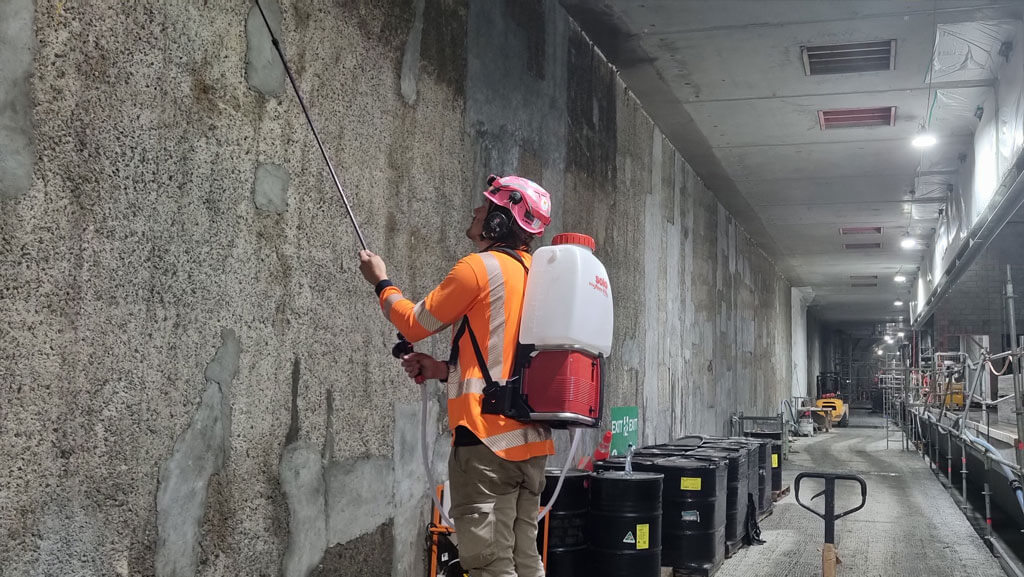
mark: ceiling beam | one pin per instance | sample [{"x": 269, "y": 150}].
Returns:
[
  {"x": 944, "y": 85},
  {"x": 952, "y": 15}
]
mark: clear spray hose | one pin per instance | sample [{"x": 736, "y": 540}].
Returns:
[
  {"x": 568, "y": 463},
  {"x": 425, "y": 430}
]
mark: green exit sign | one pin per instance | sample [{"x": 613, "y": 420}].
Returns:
[{"x": 625, "y": 429}]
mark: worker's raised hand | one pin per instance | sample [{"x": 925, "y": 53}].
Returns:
[
  {"x": 372, "y": 267},
  {"x": 423, "y": 365}
]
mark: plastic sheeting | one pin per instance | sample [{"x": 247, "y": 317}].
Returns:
[
  {"x": 986, "y": 168},
  {"x": 938, "y": 171},
  {"x": 954, "y": 111},
  {"x": 943, "y": 239},
  {"x": 932, "y": 188},
  {"x": 1010, "y": 118},
  {"x": 969, "y": 50}
]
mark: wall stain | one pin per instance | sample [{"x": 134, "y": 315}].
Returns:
[
  {"x": 620, "y": 46},
  {"x": 593, "y": 138},
  {"x": 385, "y": 23},
  {"x": 530, "y": 16},
  {"x": 443, "y": 48}
]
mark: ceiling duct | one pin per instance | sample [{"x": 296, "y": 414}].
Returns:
[
  {"x": 848, "y": 230},
  {"x": 849, "y": 58},
  {"x": 857, "y": 117},
  {"x": 863, "y": 284},
  {"x": 862, "y": 245},
  {"x": 864, "y": 277}
]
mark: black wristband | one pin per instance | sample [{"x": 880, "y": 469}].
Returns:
[{"x": 379, "y": 287}]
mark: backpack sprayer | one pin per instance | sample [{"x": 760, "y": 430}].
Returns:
[{"x": 565, "y": 332}]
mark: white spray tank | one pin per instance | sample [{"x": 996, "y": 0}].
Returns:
[{"x": 568, "y": 319}]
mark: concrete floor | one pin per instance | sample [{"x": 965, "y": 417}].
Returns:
[{"x": 909, "y": 527}]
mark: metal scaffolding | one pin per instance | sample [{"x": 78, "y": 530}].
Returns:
[{"x": 892, "y": 382}]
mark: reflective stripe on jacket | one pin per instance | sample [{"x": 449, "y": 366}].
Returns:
[{"x": 488, "y": 287}]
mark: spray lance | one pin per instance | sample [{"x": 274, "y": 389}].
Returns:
[{"x": 403, "y": 346}]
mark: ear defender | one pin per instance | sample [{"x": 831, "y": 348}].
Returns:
[{"x": 496, "y": 225}]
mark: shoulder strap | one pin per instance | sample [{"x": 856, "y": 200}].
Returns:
[
  {"x": 464, "y": 326},
  {"x": 514, "y": 254},
  {"x": 480, "y": 361}
]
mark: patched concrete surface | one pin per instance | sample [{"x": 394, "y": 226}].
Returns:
[
  {"x": 198, "y": 454},
  {"x": 17, "y": 138},
  {"x": 270, "y": 188},
  {"x": 410, "y": 482},
  {"x": 302, "y": 482},
  {"x": 263, "y": 67},
  {"x": 411, "y": 58},
  {"x": 358, "y": 497},
  {"x": 910, "y": 526}
]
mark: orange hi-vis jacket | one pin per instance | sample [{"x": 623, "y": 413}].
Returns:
[{"x": 488, "y": 287}]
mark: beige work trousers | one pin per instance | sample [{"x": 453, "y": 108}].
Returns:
[{"x": 494, "y": 506}]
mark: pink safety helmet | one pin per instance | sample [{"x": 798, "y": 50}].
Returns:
[{"x": 529, "y": 203}]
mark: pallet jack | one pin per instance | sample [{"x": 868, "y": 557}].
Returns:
[{"x": 829, "y": 555}]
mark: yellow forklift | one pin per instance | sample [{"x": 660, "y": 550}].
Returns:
[
  {"x": 830, "y": 398},
  {"x": 950, "y": 388}
]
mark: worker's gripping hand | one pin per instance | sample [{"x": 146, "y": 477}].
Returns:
[
  {"x": 423, "y": 365},
  {"x": 372, "y": 267}
]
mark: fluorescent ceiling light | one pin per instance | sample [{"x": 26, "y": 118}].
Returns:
[
  {"x": 900, "y": 278},
  {"x": 923, "y": 140},
  {"x": 908, "y": 242},
  {"x": 898, "y": 303}
]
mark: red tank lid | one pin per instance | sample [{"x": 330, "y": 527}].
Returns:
[{"x": 574, "y": 238}]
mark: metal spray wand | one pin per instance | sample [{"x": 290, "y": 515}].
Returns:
[{"x": 316, "y": 135}]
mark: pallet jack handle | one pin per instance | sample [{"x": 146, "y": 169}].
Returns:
[{"x": 829, "y": 558}]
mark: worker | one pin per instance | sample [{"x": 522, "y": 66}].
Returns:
[{"x": 496, "y": 466}]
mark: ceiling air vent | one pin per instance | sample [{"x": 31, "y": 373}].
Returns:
[
  {"x": 863, "y": 284},
  {"x": 847, "y": 230},
  {"x": 864, "y": 277},
  {"x": 862, "y": 245},
  {"x": 849, "y": 58},
  {"x": 856, "y": 117}
]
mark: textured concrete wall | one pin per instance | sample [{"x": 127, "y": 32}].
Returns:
[
  {"x": 817, "y": 337},
  {"x": 801, "y": 297},
  {"x": 180, "y": 290}
]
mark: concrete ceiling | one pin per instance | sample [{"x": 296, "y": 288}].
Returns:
[{"x": 725, "y": 82}]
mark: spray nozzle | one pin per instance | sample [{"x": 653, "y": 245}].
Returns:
[{"x": 402, "y": 347}]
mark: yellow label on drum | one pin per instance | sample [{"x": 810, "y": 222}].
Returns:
[
  {"x": 775, "y": 461},
  {"x": 643, "y": 536},
  {"x": 689, "y": 484}
]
